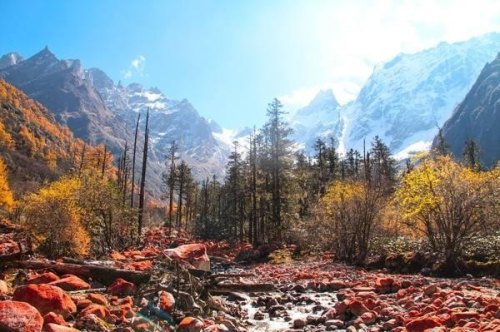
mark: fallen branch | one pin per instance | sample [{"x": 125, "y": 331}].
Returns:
[
  {"x": 231, "y": 275},
  {"x": 103, "y": 274},
  {"x": 246, "y": 288}
]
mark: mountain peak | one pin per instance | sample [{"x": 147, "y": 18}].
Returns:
[
  {"x": 9, "y": 59},
  {"x": 44, "y": 55},
  {"x": 324, "y": 97}
]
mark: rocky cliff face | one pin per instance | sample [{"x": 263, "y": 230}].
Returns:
[
  {"x": 478, "y": 117},
  {"x": 404, "y": 101},
  {"x": 100, "y": 111}
]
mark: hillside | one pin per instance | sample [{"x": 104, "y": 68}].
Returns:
[
  {"x": 34, "y": 146},
  {"x": 477, "y": 117}
]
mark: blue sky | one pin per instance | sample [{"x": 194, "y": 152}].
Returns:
[{"x": 230, "y": 58}]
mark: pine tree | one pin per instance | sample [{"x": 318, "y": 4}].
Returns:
[
  {"x": 279, "y": 162},
  {"x": 383, "y": 168},
  {"x": 471, "y": 154}
]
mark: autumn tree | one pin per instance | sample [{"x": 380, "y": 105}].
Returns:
[
  {"x": 54, "y": 216},
  {"x": 6, "y": 197},
  {"x": 353, "y": 208},
  {"x": 450, "y": 204}
]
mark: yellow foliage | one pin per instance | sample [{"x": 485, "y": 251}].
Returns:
[
  {"x": 449, "y": 203},
  {"x": 354, "y": 210},
  {"x": 5, "y": 138},
  {"x": 54, "y": 215},
  {"x": 6, "y": 198}
]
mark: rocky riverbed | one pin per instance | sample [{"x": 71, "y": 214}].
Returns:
[{"x": 322, "y": 296}]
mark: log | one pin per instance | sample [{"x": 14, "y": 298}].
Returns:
[
  {"x": 231, "y": 275},
  {"x": 103, "y": 274},
  {"x": 244, "y": 288}
]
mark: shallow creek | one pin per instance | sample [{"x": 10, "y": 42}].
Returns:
[{"x": 277, "y": 310}]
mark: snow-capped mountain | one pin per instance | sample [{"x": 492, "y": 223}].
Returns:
[
  {"x": 169, "y": 120},
  {"x": 404, "y": 101},
  {"x": 10, "y": 59},
  {"x": 100, "y": 111},
  {"x": 320, "y": 119}
]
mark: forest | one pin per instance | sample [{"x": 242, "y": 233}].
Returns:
[{"x": 278, "y": 216}]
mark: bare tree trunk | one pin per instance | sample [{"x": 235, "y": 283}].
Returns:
[
  {"x": 143, "y": 177},
  {"x": 133, "y": 161}
]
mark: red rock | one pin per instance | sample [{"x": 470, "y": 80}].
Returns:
[
  {"x": 83, "y": 303},
  {"x": 70, "y": 283},
  {"x": 357, "y": 308},
  {"x": 43, "y": 278},
  {"x": 46, "y": 298},
  {"x": 340, "y": 307},
  {"x": 51, "y": 327},
  {"x": 98, "y": 298},
  {"x": 384, "y": 282},
  {"x": 121, "y": 287},
  {"x": 422, "y": 323},
  {"x": 195, "y": 254},
  {"x": 140, "y": 266},
  {"x": 96, "y": 309},
  {"x": 390, "y": 324},
  {"x": 457, "y": 316},
  {"x": 117, "y": 256},
  {"x": 431, "y": 289},
  {"x": 330, "y": 314},
  {"x": 368, "y": 318},
  {"x": 166, "y": 302},
  {"x": 336, "y": 285},
  {"x": 19, "y": 317},
  {"x": 9, "y": 247},
  {"x": 190, "y": 324},
  {"x": 52, "y": 317}
]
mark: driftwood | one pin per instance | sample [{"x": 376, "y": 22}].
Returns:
[
  {"x": 245, "y": 288},
  {"x": 103, "y": 274}
]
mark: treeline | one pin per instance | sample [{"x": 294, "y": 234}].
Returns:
[
  {"x": 271, "y": 193},
  {"x": 269, "y": 187}
]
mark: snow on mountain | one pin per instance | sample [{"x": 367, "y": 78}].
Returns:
[
  {"x": 408, "y": 98},
  {"x": 404, "y": 101},
  {"x": 198, "y": 139},
  {"x": 321, "y": 118},
  {"x": 10, "y": 59}
]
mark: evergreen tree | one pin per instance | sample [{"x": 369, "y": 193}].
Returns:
[
  {"x": 471, "y": 155},
  {"x": 279, "y": 163}
]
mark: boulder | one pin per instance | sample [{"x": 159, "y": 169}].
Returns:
[
  {"x": 98, "y": 298},
  {"x": 70, "y": 283},
  {"x": 422, "y": 323},
  {"x": 54, "y": 318},
  {"x": 43, "y": 278},
  {"x": 46, "y": 298},
  {"x": 357, "y": 308},
  {"x": 195, "y": 254},
  {"x": 51, "y": 327},
  {"x": 166, "y": 301},
  {"x": 19, "y": 317},
  {"x": 121, "y": 287},
  {"x": 190, "y": 324}
]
